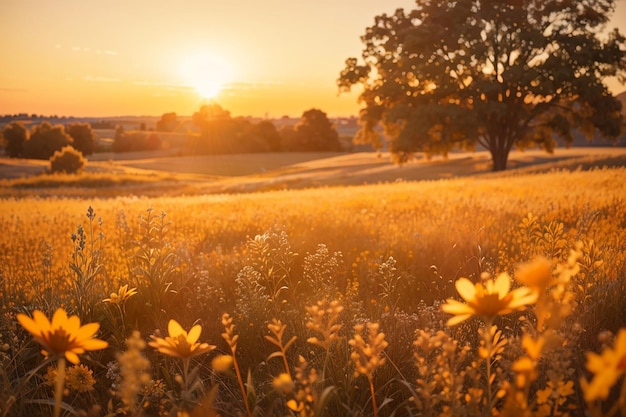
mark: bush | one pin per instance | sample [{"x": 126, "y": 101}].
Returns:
[{"x": 68, "y": 160}]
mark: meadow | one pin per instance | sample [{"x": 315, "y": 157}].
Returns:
[{"x": 477, "y": 295}]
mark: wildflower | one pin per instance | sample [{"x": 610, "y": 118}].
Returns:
[
  {"x": 366, "y": 354},
  {"x": 283, "y": 383},
  {"x": 63, "y": 335},
  {"x": 536, "y": 274},
  {"x": 51, "y": 376},
  {"x": 556, "y": 392},
  {"x": 179, "y": 343},
  {"x": 607, "y": 368},
  {"x": 222, "y": 363},
  {"x": 122, "y": 295},
  {"x": 324, "y": 317},
  {"x": 277, "y": 328},
  {"x": 229, "y": 335},
  {"x": 133, "y": 371},
  {"x": 80, "y": 378},
  {"x": 488, "y": 300}
]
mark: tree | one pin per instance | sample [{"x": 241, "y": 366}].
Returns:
[
  {"x": 45, "y": 140},
  {"x": 216, "y": 130},
  {"x": 487, "y": 72},
  {"x": 267, "y": 136},
  {"x": 15, "y": 135},
  {"x": 83, "y": 136},
  {"x": 167, "y": 123},
  {"x": 135, "y": 141},
  {"x": 314, "y": 132}
]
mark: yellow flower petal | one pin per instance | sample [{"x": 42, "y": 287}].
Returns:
[
  {"x": 454, "y": 320},
  {"x": 72, "y": 357},
  {"x": 94, "y": 344},
  {"x": 174, "y": 328},
  {"x": 42, "y": 321},
  {"x": 465, "y": 288},
  {"x": 502, "y": 285},
  {"x": 59, "y": 319},
  {"x": 194, "y": 334},
  {"x": 29, "y": 324},
  {"x": 456, "y": 307}
]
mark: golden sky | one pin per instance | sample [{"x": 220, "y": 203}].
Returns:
[{"x": 149, "y": 57}]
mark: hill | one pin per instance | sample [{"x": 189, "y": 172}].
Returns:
[{"x": 162, "y": 174}]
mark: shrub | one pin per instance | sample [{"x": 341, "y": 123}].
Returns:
[{"x": 68, "y": 160}]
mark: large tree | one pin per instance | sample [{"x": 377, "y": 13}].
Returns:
[
  {"x": 168, "y": 122},
  {"x": 15, "y": 135},
  {"x": 314, "y": 132},
  {"x": 83, "y": 136},
  {"x": 488, "y": 72},
  {"x": 45, "y": 139}
]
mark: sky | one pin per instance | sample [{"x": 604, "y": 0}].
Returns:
[{"x": 268, "y": 58}]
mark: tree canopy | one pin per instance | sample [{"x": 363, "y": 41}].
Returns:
[
  {"x": 314, "y": 132},
  {"x": 44, "y": 140},
  {"x": 83, "y": 136},
  {"x": 15, "y": 135},
  {"x": 485, "y": 72}
]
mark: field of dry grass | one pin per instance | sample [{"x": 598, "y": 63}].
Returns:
[
  {"x": 162, "y": 173},
  {"x": 341, "y": 291},
  {"x": 432, "y": 289}
]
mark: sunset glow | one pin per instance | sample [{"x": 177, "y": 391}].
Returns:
[
  {"x": 207, "y": 74},
  {"x": 151, "y": 57}
]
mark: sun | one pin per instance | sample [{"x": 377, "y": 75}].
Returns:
[{"x": 207, "y": 73}]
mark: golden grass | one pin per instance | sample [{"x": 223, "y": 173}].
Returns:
[
  {"x": 161, "y": 173},
  {"x": 388, "y": 254}
]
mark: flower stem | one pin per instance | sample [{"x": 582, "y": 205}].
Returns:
[
  {"x": 185, "y": 373},
  {"x": 241, "y": 385},
  {"x": 58, "y": 386},
  {"x": 371, "y": 381},
  {"x": 488, "y": 355}
]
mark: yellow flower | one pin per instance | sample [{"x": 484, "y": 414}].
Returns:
[
  {"x": 63, "y": 335},
  {"x": 535, "y": 274},
  {"x": 222, "y": 363},
  {"x": 367, "y": 354},
  {"x": 607, "y": 369},
  {"x": 179, "y": 343},
  {"x": 80, "y": 378},
  {"x": 488, "y": 300},
  {"x": 283, "y": 383},
  {"x": 51, "y": 376},
  {"x": 123, "y": 294},
  {"x": 324, "y": 318}
]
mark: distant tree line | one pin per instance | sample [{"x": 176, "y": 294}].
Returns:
[
  {"x": 217, "y": 133},
  {"x": 135, "y": 141},
  {"x": 44, "y": 139},
  {"x": 220, "y": 133}
]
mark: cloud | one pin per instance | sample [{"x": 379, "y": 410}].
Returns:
[
  {"x": 87, "y": 49},
  {"x": 99, "y": 79},
  {"x": 12, "y": 90}
]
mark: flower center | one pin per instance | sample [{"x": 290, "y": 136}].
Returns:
[
  {"x": 59, "y": 341},
  {"x": 490, "y": 305}
]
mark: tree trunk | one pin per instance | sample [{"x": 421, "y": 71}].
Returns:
[{"x": 499, "y": 158}]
